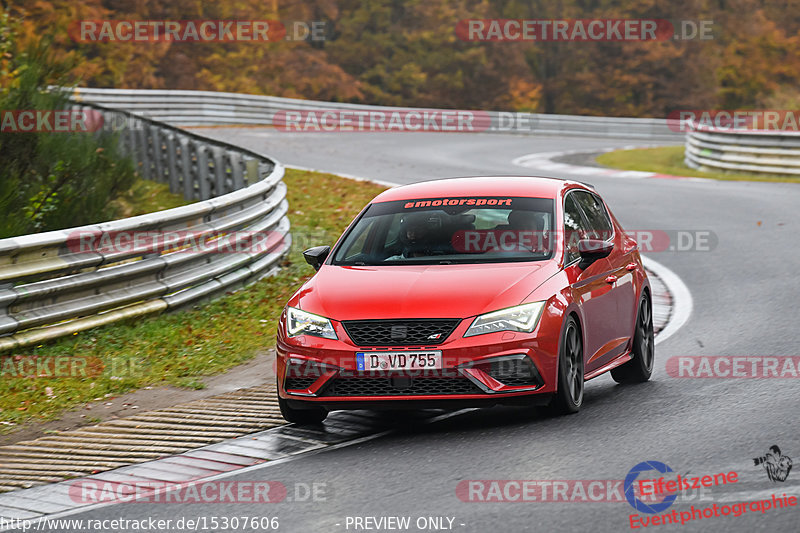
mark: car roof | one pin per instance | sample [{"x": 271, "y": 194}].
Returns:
[{"x": 526, "y": 186}]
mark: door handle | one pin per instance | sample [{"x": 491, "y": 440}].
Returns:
[
  {"x": 611, "y": 279},
  {"x": 630, "y": 266}
]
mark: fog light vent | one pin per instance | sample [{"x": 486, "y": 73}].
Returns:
[{"x": 513, "y": 372}]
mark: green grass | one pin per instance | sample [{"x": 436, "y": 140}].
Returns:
[
  {"x": 180, "y": 348},
  {"x": 146, "y": 197},
  {"x": 669, "y": 160}
]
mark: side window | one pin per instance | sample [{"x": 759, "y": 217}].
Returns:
[
  {"x": 574, "y": 228},
  {"x": 599, "y": 222}
]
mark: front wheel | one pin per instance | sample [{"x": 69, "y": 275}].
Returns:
[
  {"x": 314, "y": 415},
  {"x": 569, "y": 394},
  {"x": 640, "y": 367}
]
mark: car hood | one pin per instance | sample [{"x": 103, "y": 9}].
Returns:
[{"x": 419, "y": 291}]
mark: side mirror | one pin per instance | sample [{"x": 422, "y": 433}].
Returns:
[
  {"x": 591, "y": 250},
  {"x": 316, "y": 256}
]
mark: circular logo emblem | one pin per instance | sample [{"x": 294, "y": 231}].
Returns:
[{"x": 630, "y": 482}]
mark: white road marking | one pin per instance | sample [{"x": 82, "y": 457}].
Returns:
[
  {"x": 589, "y": 171},
  {"x": 682, "y": 302},
  {"x": 633, "y": 174},
  {"x": 543, "y": 161}
]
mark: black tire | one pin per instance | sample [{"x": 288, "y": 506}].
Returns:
[
  {"x": 569, "y": 394},
  {"x": 314, "y": 415},
  {"x": 640, "y": 367}
]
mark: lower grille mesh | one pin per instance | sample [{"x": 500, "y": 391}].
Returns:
[
  {"x": 410, "y": 387},
  {"x": 299, "y": 383}
]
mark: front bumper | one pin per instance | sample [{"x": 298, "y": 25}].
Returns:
[{"x": 502, "y": 367}]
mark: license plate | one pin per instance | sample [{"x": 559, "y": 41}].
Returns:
[{"x": 399, "y": 360}]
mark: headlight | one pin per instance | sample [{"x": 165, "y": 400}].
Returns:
[
  {"x": 520, "y": 318},
  {"x": 302, "y": 323}
]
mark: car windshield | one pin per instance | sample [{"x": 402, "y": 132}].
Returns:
[{"x": 450, "y": 230}]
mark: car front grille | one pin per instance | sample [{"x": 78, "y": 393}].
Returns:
[
  {"x": 420, "y": 332},
  {"x": 385, "y": 386}
]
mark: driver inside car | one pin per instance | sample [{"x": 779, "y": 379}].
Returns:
[{"x": 421, "y": 236}]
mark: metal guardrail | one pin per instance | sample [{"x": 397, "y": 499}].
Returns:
[
  {"x": 52, "y": 285},
  {"x": 740, "y": 150},
  {"x": 202, "y": 108}
]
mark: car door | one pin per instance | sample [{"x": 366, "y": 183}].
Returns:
[
  {"x": 619, "y": 275},
  {"x": 589, "y": 287}
]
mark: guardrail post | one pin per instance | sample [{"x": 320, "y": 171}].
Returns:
[
  {"x": 237, "y": 170},
  {"x": 157, "y": 155},
  {"x": 188, "y": 173},
  {"x": 203, "y": 173},
  {"x": 251, "y": 174},
  {"x": 172, "y": 164},
  {"x": 141, "y": 152},
  {"x": 220, "y": 171}
]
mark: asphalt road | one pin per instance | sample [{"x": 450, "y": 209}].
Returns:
[{"x": 745, "y": 295}]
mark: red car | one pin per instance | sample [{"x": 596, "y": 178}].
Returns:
[{"x": 467, "y": 292}]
